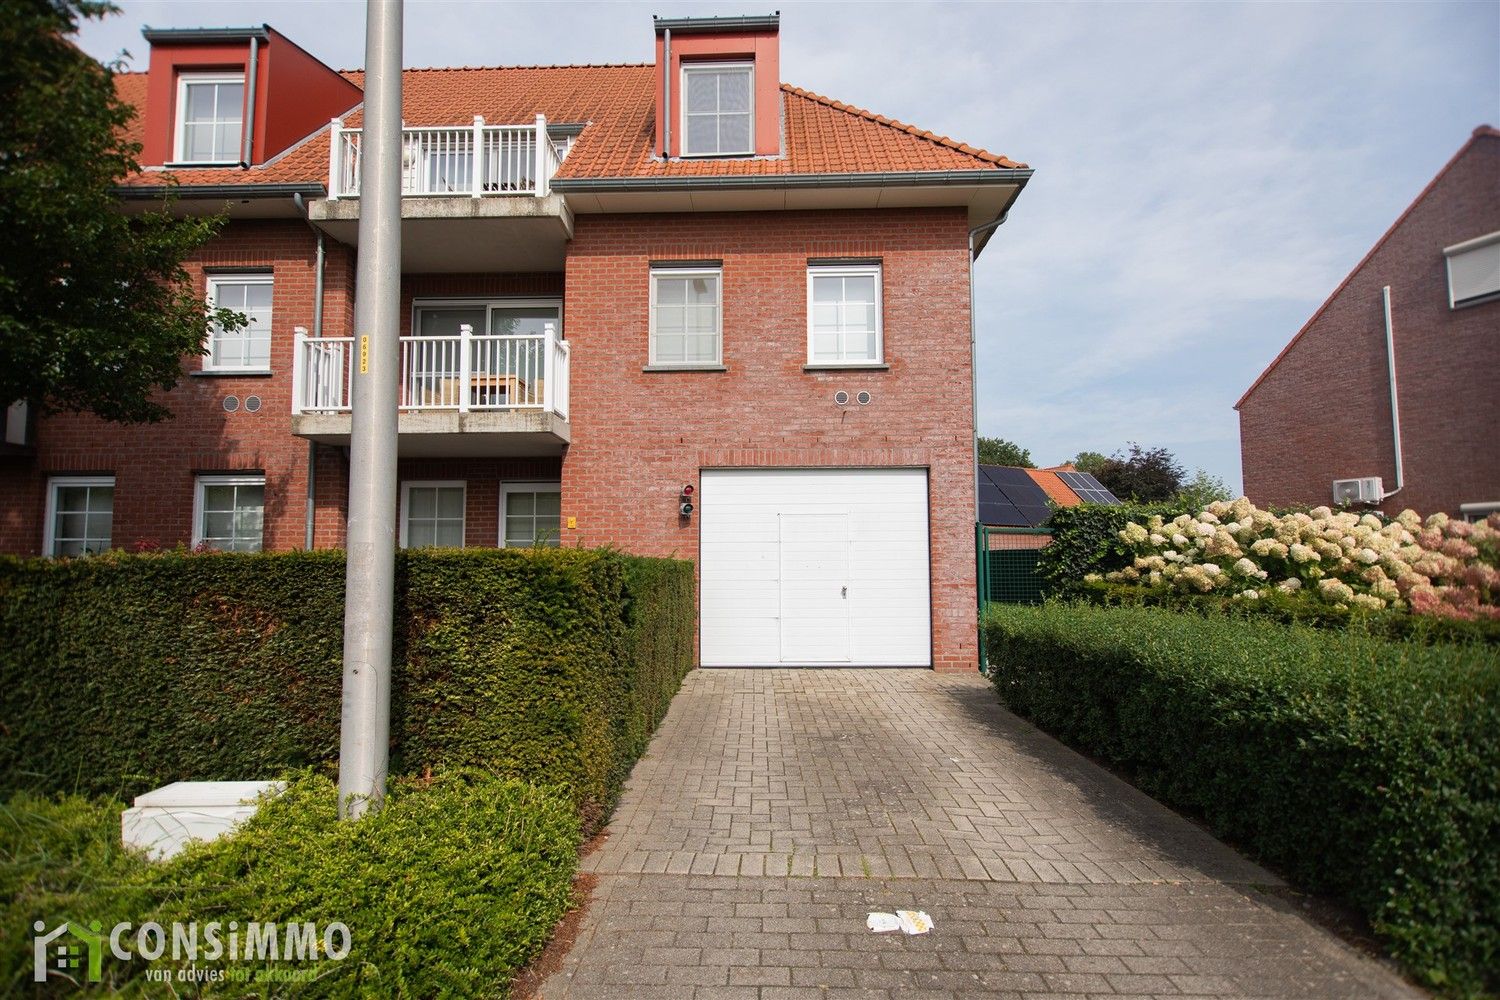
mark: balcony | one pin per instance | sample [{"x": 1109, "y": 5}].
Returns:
[
  {"x": 468, "y": 395},
  {"x": 474, "y": 197}
]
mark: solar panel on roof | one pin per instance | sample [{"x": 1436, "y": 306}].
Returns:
[
  {"x": 1010, "y": 498},
  {"x": 1089, "y": 489}
]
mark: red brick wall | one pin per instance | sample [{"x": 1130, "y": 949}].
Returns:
[
  {"x": 154, "y": 464},
  {"x": 1323, "y": 411},
  {"x": 638, "y": 436}
]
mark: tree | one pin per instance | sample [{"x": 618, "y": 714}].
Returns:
[
  {"x": 998, "y": 451},
  {"x": 1089, "y": 461},
  {"x": 96, "y": 310},
  {"x": 1203, "y": 489},
  {"x": 1141, "y": 475}
]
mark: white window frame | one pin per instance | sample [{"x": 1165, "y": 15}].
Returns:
[
  {"x": 1458, "y": 250},
  {"x": 49, "y": 527},
  {"x": 179, "y": 127},
  {"x": 487, "y": 304},
  {"x": 685, "y": 272},
  {"x": 848, "y": 271},
  {"x": 231, "y": 479},
  {"x": 461, "y": 484},
  {"x": 212, "y": 296},
  {"x": 682, "y": 115},
  {"x": 506, "y": 489}
]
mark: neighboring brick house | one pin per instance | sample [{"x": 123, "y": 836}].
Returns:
[
  {"x": 618, "y": 281},
  {"x": 1321, "y": 424}
]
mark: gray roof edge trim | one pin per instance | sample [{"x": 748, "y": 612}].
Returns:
[
  {"x": 206, "y": 192},
  {"x": 153, "y": 35},
  {"x": 907, "y": 178},
  {"x": 700, "y": 25}
]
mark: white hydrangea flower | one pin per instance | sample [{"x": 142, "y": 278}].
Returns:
[{"x": 1331, "y": 589}]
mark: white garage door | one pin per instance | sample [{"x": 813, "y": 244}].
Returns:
[{"x": 814, "y": 567}]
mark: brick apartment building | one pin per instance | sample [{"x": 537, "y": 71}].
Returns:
[
  {"x": 618, "y": 281},
  {"x": 1406, "y": 351}
]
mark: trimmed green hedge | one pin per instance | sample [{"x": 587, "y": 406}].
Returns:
[
  {"x": 1360, "y": 767},
  {"x": 447, "y": 891},
  {"x": 125, "y": 672}
]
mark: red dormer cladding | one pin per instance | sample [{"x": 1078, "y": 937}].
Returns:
[
  {"x": 701, "y": 92},
  {"x": 293, "y": 95}
]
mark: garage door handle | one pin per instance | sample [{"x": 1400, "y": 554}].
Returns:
[{"x": 844, "y": 592}]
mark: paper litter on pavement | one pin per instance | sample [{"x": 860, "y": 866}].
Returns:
[
  {"x": 907, "y": 921},
  {"x": 914, "y": 921}
]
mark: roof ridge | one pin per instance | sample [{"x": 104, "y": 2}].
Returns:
[
  {"x": 900, "y": 126},
  {"x": 491, "y": 69},
  {"x": 1482, "y": 132}
]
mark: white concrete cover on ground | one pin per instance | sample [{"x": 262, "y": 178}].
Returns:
[
  {"x": 814, "y": 567},
  {"x": 162, "y": 821}
]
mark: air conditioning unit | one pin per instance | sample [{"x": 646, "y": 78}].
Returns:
[{"x": 1350, "y": 491}]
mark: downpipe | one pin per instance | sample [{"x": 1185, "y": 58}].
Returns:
[{"x": 984, "y": 667}]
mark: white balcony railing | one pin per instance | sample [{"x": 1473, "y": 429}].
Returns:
[
  {"x": 467, "y": 372},
  {"x": 476, "y": 160}
]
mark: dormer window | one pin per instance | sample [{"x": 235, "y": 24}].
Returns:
[
  {"x": 718, "y": 109},
  {"x": 210, "y": 118}
]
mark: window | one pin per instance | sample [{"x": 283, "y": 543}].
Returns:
[
  {"x": 229, "y": 513},
  {"x": 507, "y": 363},
  {"x": 1473, "y": 271},
  {"x": 843, "y": 314},
  {"x": 249, "y": 347},
  {"x": 685, "y": 316},
  {"x": 210, "y": 119},
  {"x": 80, "y": 515},
  {"x": 529, "y": 515},
  {"x": 718, "y": 109},
  {"x": 432, "y": 514}
]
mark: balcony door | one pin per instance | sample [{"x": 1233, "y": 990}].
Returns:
[{"x": 507, "y": 358}]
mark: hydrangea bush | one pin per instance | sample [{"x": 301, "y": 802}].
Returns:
[{"x": 1438, "y": 567}]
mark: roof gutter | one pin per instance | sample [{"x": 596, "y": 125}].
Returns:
[
  {"x": 904, "y": 178},
  {"x": 167, "y": 36},
  {"x": 714, "y": 25},
  {"x": 221, "y": 192}
]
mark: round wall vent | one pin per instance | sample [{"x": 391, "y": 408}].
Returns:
[
  {"x": 841, "y": 397},
  {"x": 863, "y": 397},
  {"x": 231, "y": 403},
  {"x": 252, "y": 404}
]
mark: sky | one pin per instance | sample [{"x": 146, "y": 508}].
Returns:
[{"x": 1206, "y": 174}]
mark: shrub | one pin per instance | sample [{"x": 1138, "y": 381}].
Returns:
[
  {"x": 126, "y": 672},
  {"x": 1360, "y": 767},
  {"x": 61, "y": 858},
  {"x": 447, "y": 891},
  {"x": 1439, "y": 568},
  {"x": 1086, "y": 540}
]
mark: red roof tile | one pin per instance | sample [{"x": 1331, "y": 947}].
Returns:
[
  {"x": 131, "y": 89},
  {"x": 618, "y": 105},
  {"x": 1052, "y": 485}
]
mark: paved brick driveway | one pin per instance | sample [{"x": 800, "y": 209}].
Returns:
[{"x": 775, "y": 808}]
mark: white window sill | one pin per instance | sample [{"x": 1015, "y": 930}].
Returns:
[
  {"x": 221, "y": 372},
  {"x": 684, "y": 368},
  {"x": 843, "y": 366},
  {"x": 179, "y": 164}
]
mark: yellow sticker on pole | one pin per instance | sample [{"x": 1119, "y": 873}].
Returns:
[{"x": 364, "y": 354}]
